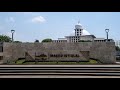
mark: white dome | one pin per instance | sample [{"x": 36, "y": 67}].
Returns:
[
  {"x": 85, "y": 32},
  {"x": 78, "y": 26}
]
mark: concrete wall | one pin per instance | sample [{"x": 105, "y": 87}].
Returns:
[{"x": 104, "y": 51}]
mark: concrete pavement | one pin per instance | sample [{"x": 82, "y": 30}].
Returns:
[
  {"x": 59, "y": 71},
  {"x": 107, "y": 65},
  {"x": 6, "y": 76}
]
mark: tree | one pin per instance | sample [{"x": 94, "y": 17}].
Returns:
[
  {"x": 117, "y": 48},
  {"x": 5, "y": 38},
  {"x": 17, "y": 41},
  {"x": 36, "y": 40},
  {"x": 47, "y": 40},
  {"x": 84, "y": 41}
]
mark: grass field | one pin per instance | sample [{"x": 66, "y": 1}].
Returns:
[{"x": 53, "y": 63}]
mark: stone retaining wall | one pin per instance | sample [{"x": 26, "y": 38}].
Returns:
[{"x": 103, "y": 51}]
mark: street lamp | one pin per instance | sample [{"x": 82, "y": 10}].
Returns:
[
  {"x": 107, "y": 30},
  {"x": 12, "y": 31}
]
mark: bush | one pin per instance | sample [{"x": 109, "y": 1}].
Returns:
[
  {"x": 17, "y": 42},
  {"x": 36, "y": 40},
  {"x": 84, "y": 41},
  {"x": 47, "y": 40}
]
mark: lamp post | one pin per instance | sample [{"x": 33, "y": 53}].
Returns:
[
  {"x": 12, "y": 31},
  {"x": 107, "y": 30}
]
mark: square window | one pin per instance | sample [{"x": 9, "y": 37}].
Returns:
[{"x": 1, "y": 57}]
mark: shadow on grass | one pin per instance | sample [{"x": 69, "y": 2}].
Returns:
[{"x": 23, "y": 62}]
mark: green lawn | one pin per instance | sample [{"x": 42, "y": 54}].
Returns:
[
  {"x": 20, "y": 61},
  {"x": 56, "y": 63},
  {"x": 53, "y": 63}
]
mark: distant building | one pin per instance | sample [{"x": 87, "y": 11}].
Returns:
[
  {"x": 117, "y": 43},
  {"x": 102, "y": 40},
  {"x": 60, "y": 40},
  {"x": 81, "y": 34}
]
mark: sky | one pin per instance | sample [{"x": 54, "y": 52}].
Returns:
[{"x": 30, "y": 26}]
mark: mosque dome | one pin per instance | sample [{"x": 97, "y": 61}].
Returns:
[
  {"x": 85, "y": 32},
  {"x": 78, "y": 26}
]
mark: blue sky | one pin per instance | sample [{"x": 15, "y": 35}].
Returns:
[{"x": 30, "y": 26}]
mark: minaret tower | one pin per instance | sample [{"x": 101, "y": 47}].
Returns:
[{"x": 78, "y": 29}]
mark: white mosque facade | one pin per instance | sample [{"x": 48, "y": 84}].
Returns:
[
  {"x": 117, "y": 43},
  {"x": 80, "y": 34}
]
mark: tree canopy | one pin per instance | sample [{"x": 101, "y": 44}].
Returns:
[
  {"x": 36, "y": 40},
  {"x": 117, "y": 48},
  {"x": 5, "y": 38},
  {"x": 47, "y": 40},
  {"x": 17, "y": 41}
]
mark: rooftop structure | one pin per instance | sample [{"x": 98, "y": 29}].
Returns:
[{"x": 80, "y": 34}]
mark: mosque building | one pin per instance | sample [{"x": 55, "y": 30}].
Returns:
[
  {"x": 80, "y": 34},
  {"x": 117, "y": 43}
]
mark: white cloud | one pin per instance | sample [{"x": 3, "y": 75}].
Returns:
[
  {"x": 38, "y": 19},
  {"x": 10, "y": 19}
]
